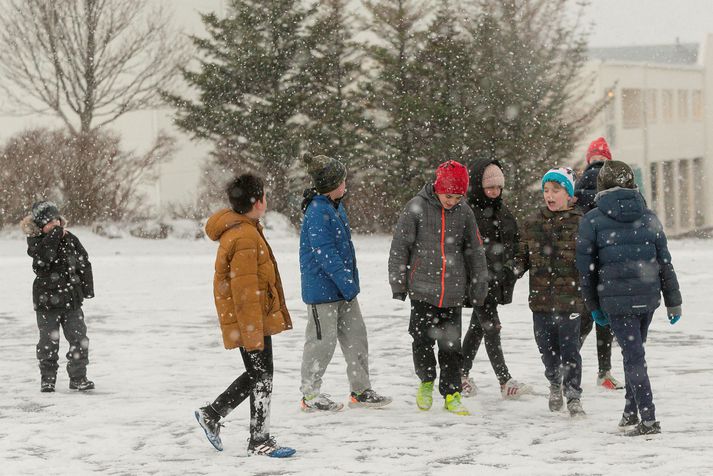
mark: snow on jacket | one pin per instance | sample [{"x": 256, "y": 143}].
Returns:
[
  {"x": 247, "y": 286},
  {"x": 547, "y": 249},
  {"x": 437, "y": 255},
  {"x": 498, "y": 228},
  {"x": 61, "y": 265},
  {"x": 328, "y": 264},
  {"x": 623, "y": 258},
  {"x": 586, "y": 187}
]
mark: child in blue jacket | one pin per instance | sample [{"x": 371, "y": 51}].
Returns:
[
  {"x": 624, "y": 267},
  {"x": 330, "y": 285}
]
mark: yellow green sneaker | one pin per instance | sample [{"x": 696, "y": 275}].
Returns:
[
  {"x": 454, "y": 405},
  {"x": 424, "y": 396}
]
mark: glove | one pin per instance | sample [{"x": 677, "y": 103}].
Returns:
[
  {"x": 600, "y": 317},
  {"x": 674, "y": 314},
  {"x": 399, "y": 296}
]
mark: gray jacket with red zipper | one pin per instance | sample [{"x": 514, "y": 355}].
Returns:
[{"x": 437, "y": 255}]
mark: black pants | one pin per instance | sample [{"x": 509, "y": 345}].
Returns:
[
  {"x": 430, "y": 325},
  {"x": 485, "y": 323},
  {"x": 604, "y": 340},
  {"x": 75, "y": 331},
  {"x": 255, "y": 382},
  {"x": 557, "y": 336}
]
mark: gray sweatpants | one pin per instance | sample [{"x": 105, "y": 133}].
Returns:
[{"x": 326, "y": 324}]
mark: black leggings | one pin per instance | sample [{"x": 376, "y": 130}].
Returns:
[
  {"x": 485, "y": 323},
  {"x": 604, "y": 340},
  {"x": 255, "y": 382}
]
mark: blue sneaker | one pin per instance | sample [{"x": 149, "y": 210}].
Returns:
[
  {"x": 269, "y": 448},
  {"x": 211, "y": 428}
]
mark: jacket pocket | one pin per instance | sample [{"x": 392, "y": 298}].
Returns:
[{"x": 272, "y": 301}]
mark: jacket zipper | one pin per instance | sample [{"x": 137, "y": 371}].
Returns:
[{"x": 443, "y": 256}]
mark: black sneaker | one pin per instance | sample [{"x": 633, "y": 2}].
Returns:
[
  {"x": 628, "y": 420},
  {"x": 556, "y": 401},
  {"x": 80, "y": 384},
  {"x": 47, "y": 385},
  {"x": 368, "y": 399},
  {"x": 269, "y": 448},
  {"x": 211, "y": 428},
  {"x": 645, "y": 428}
]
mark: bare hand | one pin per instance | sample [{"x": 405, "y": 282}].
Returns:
[{"x": 51, "y": 225}]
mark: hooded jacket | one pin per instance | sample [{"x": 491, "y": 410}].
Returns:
[
  {"x": 328, "y": 264},
  {"x": 61, "y": 265},
  {"x": 498, "y": 228},
  {"x": 248, "y": 291},
  {"x": 623, "y": 257},
  {"x": 437, "y": 255}
]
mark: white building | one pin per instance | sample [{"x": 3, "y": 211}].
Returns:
[{"x": 660, "y": 121}]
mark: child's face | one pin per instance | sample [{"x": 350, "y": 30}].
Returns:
[
  {"x": 556, "y": 197},
  {"x": 338, "y": 192},
  {"x": 449, "y": 200},
  {"x": 493, "y": 192},
  {"x": 260, "y": 207},
  {"x": 597, "y": 158}
]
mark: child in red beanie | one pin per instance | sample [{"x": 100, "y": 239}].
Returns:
[
  {"x": 585, "y": 190},
  {"x": 437, "y": 259}
]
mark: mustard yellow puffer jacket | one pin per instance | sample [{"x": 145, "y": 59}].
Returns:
[{"x": 247, "y": 286}]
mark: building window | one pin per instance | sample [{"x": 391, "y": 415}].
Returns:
[
  {"x": 697, "y": 105},
  {"x": 651, "y": 106},
  {"x": 682, "y": 104},
  {"x": 667, "y": 105},
  {"x": 631, "y": 108},
  {"x": 698, "y": 191}
]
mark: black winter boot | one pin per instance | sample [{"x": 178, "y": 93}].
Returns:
[
  {"x": 47, "y": 385},
  {"x": 80, "y": 384}
]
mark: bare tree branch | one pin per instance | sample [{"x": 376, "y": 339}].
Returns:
[{"x": 87, "y": 61}]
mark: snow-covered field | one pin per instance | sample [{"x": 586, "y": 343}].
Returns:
[{"x": 156, "y": 355}]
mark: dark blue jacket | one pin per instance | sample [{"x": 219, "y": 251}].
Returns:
[
  {"x": 623, "y": 258},
  {"x": 586, "y": 187},
  {"x": 327, "y": 259}
]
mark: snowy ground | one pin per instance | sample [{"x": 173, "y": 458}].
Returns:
[{"x": 156, "y": 355}]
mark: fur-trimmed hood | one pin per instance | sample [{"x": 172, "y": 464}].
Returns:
[{"x": 29, "y": 228}]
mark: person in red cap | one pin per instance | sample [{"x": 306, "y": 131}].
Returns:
[
  {"x": 585, "y": 190},
  {"x": 437, "y": 259}
]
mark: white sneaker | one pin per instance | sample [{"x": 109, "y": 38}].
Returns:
[
  {"x": 468, "y": 388},
  {"x": 320, "y": 403},
  {"x": 512, "y": 389}
]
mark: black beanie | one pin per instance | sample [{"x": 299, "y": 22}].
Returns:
[
  {"x": 44, "y": 212},
  {"x": 326, "y": 173},
  {"x": 615, "y": 173}
]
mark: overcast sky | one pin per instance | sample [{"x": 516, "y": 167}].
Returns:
[{"x": 648, "y": 22}]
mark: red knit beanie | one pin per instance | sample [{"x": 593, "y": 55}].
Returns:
[
  {"x": 451, "y": 178},
  {"x": 598, "y": 146}
]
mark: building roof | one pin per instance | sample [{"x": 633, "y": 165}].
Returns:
[{"x": 678, "y": 53}]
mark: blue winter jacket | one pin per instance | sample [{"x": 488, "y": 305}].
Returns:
[
  {"x": 623, "y": 258},
  {"x": 327, "y": 260}
]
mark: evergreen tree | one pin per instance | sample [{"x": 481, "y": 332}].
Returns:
[
  {"x": 445, "y": 66},
  {"x": 398, "y": 25},
  {"x": 334, "y": 105},
  {"x": 247, "y": 90},
  {"x": 529, "y": 96}
]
